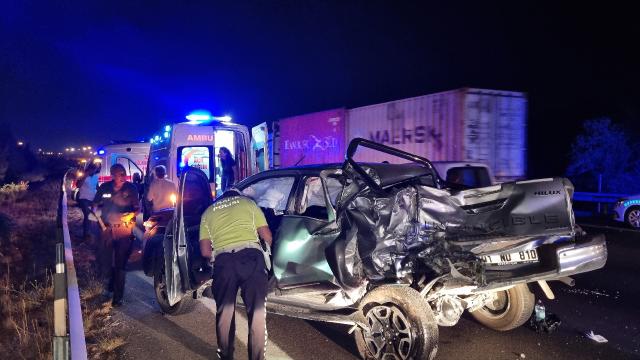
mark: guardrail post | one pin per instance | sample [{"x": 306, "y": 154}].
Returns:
[
  {"x": 60, "y": 338},
  {"x": 599, "y": 190}
]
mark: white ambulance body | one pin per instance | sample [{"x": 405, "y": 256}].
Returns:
[
  {"x": 197, "y": 144},
  {"x": 133, "y": 156}
]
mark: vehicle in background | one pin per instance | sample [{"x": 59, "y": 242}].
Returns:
[
  {"x": 468, "y": 174},
  {"x": 628, "y": 210},
  {"x": 132, "y": 155},
  {"x": 390, "y": 249},
  {"x": 464, "y": 125},
  {"x": 194, "y": 143}
]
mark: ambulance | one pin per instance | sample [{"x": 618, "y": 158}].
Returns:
[
  {"x": 196, "y": 143},
  {"x": 132, "y": 155}
]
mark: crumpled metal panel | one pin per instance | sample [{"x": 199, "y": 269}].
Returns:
[{"x": 420, "y": 229}]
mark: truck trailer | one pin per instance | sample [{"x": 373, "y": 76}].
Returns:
[{"x": 463, "y": 125}]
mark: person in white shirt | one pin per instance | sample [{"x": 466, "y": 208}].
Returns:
[
  {"x": 160, "y": 190},
  {"x": 86, "y": 194}
]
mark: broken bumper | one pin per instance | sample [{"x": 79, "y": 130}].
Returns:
[
  {"x": 586, "y": 254},
  {"x": 582, "y": 257}
]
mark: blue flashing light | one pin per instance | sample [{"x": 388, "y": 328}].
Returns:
[
  {"x": 156, "y": 138},
  {"x": 225, "y": 118},
  {"x": 199, "y": 116},
  {"x": 166, "y": 134},
  {"x": 151, "y": 141},
  {"x": 181, "y": 164},
  {"x": 156, "y": 158},
  {"x": 101, "y": 152},
  {"x": 167, "y": 128}
]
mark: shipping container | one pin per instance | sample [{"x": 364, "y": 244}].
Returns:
[
  {"x": 316, "y": 138},
  {"x": 479, "y": 125}
]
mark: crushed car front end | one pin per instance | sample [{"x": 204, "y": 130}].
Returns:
[{"x": 461, "y": 248}]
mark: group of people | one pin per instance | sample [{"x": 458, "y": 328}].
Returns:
[
  {"x": 233, "y": 235},
  {"x": 120, "y": 203}
]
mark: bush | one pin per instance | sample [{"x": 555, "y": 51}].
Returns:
[{"x": 10, "y": 193}]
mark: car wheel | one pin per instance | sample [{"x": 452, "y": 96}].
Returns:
[
  {"x": 400, "y": 325},
  {"x": 632, "y": 217},
  {"x": 185, "y": 305},
  {"x": 510, "y": 309}
]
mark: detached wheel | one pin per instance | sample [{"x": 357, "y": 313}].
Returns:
[
  {"x": 632, "y": 217},
  {"x": 400, "y": 325},
  {"x": 185, "y": 305},
  {"x": 509, "y": 309}
]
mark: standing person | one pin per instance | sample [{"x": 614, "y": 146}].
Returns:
[
  {"x": 229, "y": 171},
  {"x": 86, "y": 194},
  {"x": 232, "y": 227},
  {"x": 120, "y": 205},
  {"x": 136, "y": 179},
  {"x": 160, "y": 190}
]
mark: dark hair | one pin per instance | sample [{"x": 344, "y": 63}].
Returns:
[
  {"x": 160, "y": 171},
  {"x": 91, "y": 169},
  {"x": 229, "y": 161},
  {"x": 226, "y": 151},
  {"x": 116, "y": 167}
]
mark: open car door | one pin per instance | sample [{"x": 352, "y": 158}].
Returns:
[
  {"x": 299, "y": 253},
  {"x": 181, "y": 242}
]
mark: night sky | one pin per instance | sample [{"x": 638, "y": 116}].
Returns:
[{"x": 75, "y": 74}]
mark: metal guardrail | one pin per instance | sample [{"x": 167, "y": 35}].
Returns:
[
  {"x": 599, "y": 198},
  {"x": 60, "y": 338},
  {"x": 71, "y": 297}
]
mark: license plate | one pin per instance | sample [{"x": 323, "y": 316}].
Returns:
[{"x": 518, "y": 257}]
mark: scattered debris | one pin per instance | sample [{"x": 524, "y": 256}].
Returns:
[
  {"x": 594, "y": 292},
  {"x": 542, "y": 320},
  {"x": 522, "y": 356},
  {"x": 539, "y": 311},
  {"x": 595, "y": 337}
]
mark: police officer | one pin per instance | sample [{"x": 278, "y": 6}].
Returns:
[
  {"x": 120, "y": 205},
  {"x": 233, "y": 227}
]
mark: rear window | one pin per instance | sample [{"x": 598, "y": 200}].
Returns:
[{"x": 470, "y": 176}]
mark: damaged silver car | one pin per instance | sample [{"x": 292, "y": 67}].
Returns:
[{"x": 395, "y": 251}]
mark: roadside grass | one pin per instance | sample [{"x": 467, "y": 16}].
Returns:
[{"x": 28, "y": 234}]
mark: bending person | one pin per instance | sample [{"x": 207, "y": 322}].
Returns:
[{"x": 231, "y": 230}]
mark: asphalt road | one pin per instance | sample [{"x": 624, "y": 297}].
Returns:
[{"x": 604, "y": 301}]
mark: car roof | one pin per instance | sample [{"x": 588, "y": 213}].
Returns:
[{"x": 389, "y": 173}]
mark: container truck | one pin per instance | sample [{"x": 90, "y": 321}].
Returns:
[{"x": 463, "y": 125}]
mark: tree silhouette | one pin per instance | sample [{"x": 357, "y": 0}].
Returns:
[{"x": 603, "y": 148}]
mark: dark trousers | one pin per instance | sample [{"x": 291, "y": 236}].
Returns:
[
  {"x": 227, "y": 180},
  {"x": 244, "y": 270},
  {"x": 113, "y": 253},
  {"x": 85, "y": 206}
]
